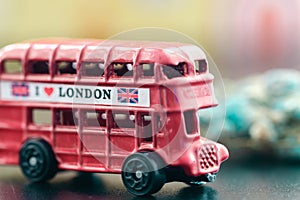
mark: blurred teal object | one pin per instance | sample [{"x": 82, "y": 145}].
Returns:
[
  {"x": 265, "y": 108},
  {"x": 239, "y": 114}
]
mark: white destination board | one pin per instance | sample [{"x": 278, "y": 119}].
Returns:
[{"x": 79, "y": 94}]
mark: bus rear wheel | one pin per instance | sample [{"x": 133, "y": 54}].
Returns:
[
  {"x": 37, "y": 160},
  {"x": 141, "y": 174}
]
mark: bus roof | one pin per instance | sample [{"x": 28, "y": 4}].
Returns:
[{"x": 106, "y": 50}]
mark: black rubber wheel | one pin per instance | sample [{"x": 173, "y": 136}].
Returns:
[
  {"x": 37, "y": 160},
  {"x": 141, "y": 174}
]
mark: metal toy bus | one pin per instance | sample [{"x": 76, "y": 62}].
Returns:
[{"x": 107, "y": 106}]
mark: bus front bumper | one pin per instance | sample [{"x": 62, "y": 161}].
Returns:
[{"x": 203, "y": 160}]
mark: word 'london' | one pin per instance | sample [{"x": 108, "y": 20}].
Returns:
[{"x": 84, "y": 93}]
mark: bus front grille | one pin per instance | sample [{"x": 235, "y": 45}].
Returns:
[{"x": 208, "y": 157}]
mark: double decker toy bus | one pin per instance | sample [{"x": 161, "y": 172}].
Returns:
[{"x": 107, "y": 106}]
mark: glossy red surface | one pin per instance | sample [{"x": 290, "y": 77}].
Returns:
[{"x": 103, "y": 148}]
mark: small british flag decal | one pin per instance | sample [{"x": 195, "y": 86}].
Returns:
[
  {"x": 128, "y": 95},
  {"x": 20, "y": 89}
]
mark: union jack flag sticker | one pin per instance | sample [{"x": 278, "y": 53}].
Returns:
[
  {"x": 20, "y": 89},
  {"x": 127, "y": 95}
]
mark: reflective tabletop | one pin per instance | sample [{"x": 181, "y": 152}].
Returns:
[{"x": 241, "y": 177}]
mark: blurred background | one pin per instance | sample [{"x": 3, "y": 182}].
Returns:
[{"x": 242, "y": 36}]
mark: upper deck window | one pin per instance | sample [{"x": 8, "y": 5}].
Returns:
[
  {"x": 38, "y": 67},
  {"x": 12, "y": 67},
  {"x": 121, "y": 69},
  {"x": 173, "y": 71},
  {"x": 147, "y": 69},
  {"x": 92, "y": 69},
  {"x": 200, "y": 66},
  {"x": 66, "y": 67}
]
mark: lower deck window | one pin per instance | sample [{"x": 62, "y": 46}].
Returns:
[
  {"x": 123, "y": 120},
  {"x": 41, "y": 116},
  {"x": 146, "y": 125},
  {"x": 94, "y": 118},
  {"x": 65, "y": 117}
]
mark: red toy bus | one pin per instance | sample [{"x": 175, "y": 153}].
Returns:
[{"x": 107, "y": 106}]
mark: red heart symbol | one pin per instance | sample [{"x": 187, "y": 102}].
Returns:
[{"x": 48, "y": 90}]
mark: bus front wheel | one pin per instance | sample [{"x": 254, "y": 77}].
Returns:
[
  {"x": 37, "y": 160},
  {"x": 142, "y": 175}
]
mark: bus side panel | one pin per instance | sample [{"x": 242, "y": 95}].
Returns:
[
  {"x": 66, "y": 147},
  {"x": 95, "y": 149},
  {"x": 9, "y": 146},
  {"x": 11, "y": 134},
  {"x": 176, "y": 142},
  {"x": 122, "y": 144}
]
